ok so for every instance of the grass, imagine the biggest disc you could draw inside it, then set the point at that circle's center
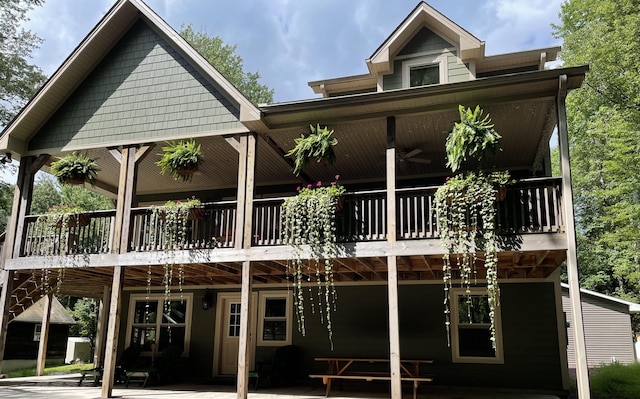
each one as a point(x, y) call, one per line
point(616, 381)
point(65, 369)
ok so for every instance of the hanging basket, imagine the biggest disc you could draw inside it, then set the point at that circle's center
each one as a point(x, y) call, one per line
point(501, 193)
point(75, 220)
point(187, 170)
point(73, 181)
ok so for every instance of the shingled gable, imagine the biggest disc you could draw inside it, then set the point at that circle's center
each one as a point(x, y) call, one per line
point(68, 90)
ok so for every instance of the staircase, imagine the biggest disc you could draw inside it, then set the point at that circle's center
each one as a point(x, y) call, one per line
point(30, 288)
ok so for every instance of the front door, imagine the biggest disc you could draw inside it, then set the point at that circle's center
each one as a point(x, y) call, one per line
point(228, 336)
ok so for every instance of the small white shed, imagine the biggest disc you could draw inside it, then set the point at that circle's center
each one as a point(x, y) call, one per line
point(607, 328)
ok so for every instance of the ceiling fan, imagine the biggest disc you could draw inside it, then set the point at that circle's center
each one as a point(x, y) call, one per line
point(411, 156)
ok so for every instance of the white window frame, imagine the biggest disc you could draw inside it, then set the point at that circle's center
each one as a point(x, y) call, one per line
point(37, 332)
point(440, 61)
point(261, 317)
point(188, 297)
point(458, 294)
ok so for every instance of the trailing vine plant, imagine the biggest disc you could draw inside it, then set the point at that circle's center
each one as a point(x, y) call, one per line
point(53, 231)
point(465, 209)
point(308, 219)
point(169, 227)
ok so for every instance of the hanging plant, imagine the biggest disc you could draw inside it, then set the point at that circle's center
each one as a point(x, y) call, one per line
point(180, 159)
point(465, 209)
point(473, 136)
point(466, 224)
point(172, 221)
point(317, 144)
point(75, 168)
point(308, 219)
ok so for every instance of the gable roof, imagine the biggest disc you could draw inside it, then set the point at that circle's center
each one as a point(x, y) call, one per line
point(633, 307)
point(90, 52)
point(424, 15)
point(34, 313)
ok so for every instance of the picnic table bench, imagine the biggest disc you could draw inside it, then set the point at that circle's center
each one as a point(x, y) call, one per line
point(340, 368)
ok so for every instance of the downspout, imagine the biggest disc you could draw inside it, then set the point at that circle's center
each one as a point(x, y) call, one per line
point(582, 371)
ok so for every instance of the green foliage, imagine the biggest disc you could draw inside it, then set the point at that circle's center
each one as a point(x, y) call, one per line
point(75, 167)
point(224, 58)
point(466, 223)
point(6, 203)
point(309, 219)
point(471, 137)
point(604, 130)
point(317, 144)
point(616, 381)
point(85, 313)
point(46, 193)
point(83, 198)
point(180, 159)
point(66, 369)
point(19, 80)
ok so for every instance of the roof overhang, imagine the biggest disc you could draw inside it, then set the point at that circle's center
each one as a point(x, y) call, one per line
point(513, 87)
point(633, 307)
point(89, 53)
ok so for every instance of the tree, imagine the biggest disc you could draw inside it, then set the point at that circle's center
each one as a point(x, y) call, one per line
point(604, 129)
point(19, 80)
point(224, 58)
point(46, 193)
point(85, 313)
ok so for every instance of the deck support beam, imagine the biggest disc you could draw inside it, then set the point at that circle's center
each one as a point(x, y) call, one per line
point(44, 334)
point(246, 186)
point(101, 330)
point(129, 157)
point(23, 192)
point(582, 371)
point(392, 264)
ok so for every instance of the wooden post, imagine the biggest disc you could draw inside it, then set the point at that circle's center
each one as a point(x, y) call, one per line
point(582, 371)
point(101, 330)
point(392, 267)
point(44, 334)
point(248, 147)
point(13, 240)
point(126, 191)
point(243, 345)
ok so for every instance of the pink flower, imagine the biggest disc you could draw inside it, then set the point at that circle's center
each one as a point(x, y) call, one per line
point(178, 201)
point(447, 179)
point(298, 188)
point(337, 177)
point(309, 185)
point(333, 183)
point(319, 183)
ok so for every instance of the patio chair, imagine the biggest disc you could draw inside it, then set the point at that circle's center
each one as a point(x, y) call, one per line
point(127, 359)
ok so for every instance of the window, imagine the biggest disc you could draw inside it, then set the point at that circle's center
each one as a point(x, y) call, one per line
point(37, 331)
point(423, 71)
point(424, 75)
point(154, 321)
point(275, 319)
point(471, 328)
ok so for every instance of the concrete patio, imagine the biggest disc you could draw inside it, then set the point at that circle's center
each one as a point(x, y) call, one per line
point(65, 387)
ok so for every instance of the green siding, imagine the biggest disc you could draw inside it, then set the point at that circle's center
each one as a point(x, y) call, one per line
point(456, 72)
point(532, 354)
point(142, 89)
point(425, 41)
point(394, 80)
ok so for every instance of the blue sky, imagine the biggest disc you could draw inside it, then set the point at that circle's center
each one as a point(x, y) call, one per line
point(291, 42)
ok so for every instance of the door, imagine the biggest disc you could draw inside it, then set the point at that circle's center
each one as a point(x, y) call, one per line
point(230, 337)
point(228, 333)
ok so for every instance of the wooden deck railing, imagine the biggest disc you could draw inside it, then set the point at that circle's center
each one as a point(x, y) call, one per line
point(530, 206)
point(91, 234)
point(209, 226)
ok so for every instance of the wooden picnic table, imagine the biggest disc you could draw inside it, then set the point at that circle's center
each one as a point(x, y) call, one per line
point(346, 368)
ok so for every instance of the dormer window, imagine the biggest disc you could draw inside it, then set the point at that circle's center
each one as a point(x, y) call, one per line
point(424, 75)
point(424, 71)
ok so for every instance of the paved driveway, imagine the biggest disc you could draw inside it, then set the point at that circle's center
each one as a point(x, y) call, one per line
point(65, 387)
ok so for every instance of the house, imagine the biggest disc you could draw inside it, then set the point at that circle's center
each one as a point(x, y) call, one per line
point(24, 334)
point(225, 293)
point(607, 328)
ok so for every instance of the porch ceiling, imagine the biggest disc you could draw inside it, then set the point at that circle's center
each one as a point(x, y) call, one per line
point(512, 265)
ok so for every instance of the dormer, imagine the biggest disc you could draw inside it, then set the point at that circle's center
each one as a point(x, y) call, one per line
point(427, 48)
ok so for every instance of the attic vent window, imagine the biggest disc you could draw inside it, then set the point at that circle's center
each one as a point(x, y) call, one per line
point(424, 75)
